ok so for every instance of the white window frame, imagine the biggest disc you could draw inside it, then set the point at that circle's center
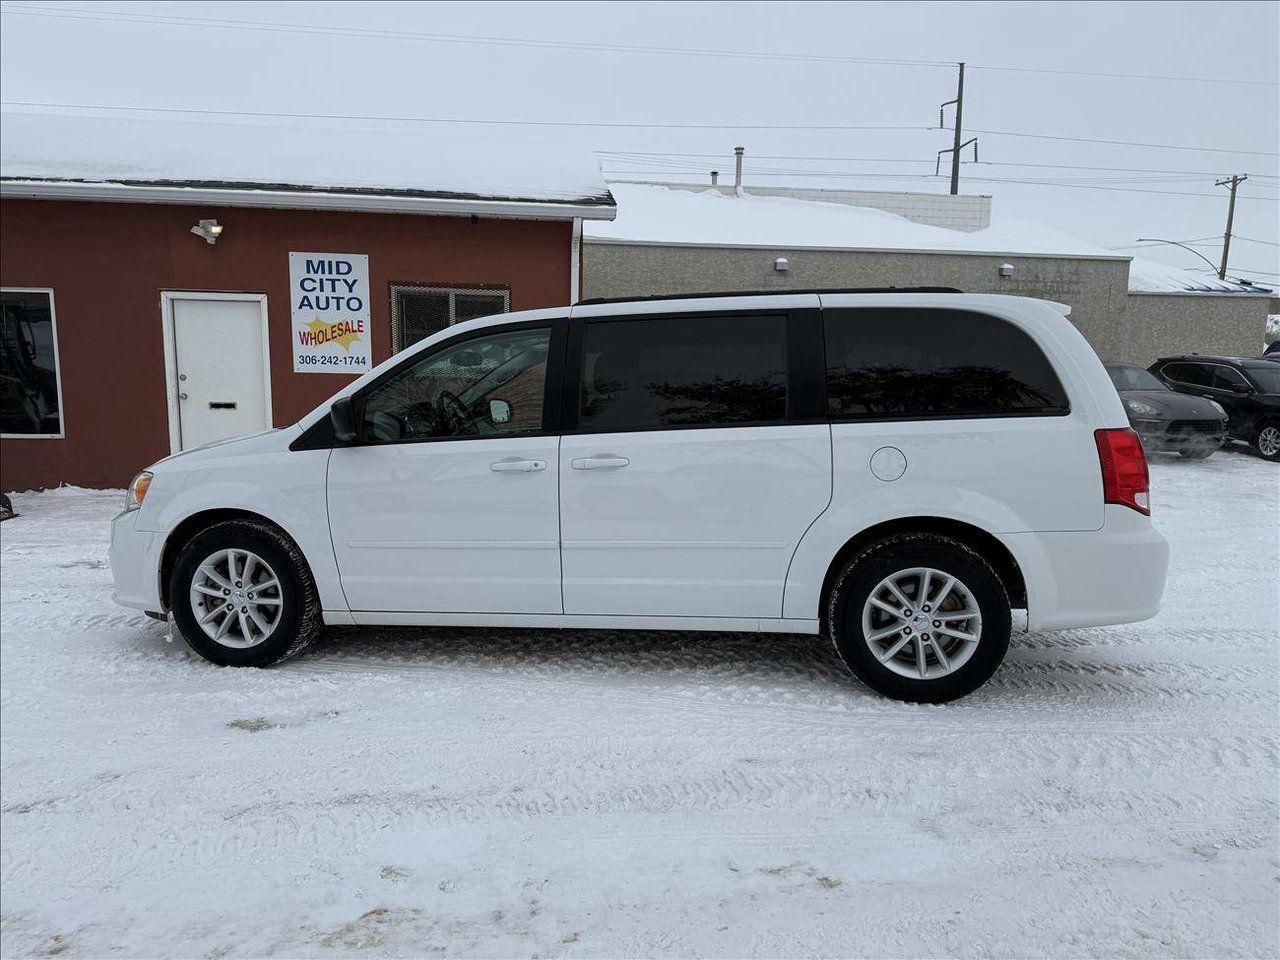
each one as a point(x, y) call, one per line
point(451, 292)
point(57, 370)
point(167, 300)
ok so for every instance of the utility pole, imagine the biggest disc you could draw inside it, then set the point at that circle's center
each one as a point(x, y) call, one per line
point(1233, 182)
point(956, 145)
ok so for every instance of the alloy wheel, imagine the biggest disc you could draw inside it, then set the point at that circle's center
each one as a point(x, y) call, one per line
point(1269, 441)
point(922, 623)
point(236, 598)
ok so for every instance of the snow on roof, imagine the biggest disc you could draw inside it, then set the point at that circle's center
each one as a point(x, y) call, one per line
point(1151, 276)
point(38, 145)
point(656, 214)
point(650, 213)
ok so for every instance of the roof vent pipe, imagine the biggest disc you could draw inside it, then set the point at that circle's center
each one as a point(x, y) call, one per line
point(715, 177)
point(737, 167)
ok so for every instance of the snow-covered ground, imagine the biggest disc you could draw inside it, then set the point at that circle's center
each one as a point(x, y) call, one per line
point(1111, 792)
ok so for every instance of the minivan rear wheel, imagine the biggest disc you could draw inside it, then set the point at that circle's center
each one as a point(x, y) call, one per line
point(920, 617)
point(242, 595)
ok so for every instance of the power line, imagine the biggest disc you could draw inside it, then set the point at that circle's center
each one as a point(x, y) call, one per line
point(71, 13)
point(621, 124)
point(283, 115)
point(1027, 182)
point(980, 163)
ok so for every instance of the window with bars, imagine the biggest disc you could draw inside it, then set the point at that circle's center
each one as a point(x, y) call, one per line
point(418, 312)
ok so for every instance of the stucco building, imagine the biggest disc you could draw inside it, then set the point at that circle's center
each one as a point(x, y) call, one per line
point(678, 238)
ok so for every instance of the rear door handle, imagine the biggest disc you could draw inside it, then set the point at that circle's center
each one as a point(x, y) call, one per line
point(518, 466)
point(599, 463)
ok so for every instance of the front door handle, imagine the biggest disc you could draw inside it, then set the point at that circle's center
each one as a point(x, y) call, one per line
point(599, 463)
point(518, 466)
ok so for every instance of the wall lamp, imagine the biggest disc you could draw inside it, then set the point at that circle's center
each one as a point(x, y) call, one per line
point(211, 230)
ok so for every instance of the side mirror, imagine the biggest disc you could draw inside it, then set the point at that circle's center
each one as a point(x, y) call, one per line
point(467, 358)
point(499, 411)
point(1241, 388)
point(343, 418)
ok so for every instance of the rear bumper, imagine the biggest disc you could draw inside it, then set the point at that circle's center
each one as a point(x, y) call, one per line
point(135, 564)
point(1093, 578)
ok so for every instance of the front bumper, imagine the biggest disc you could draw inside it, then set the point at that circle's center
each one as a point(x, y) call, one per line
point(1165, 436)
point(1096, 577)
point(135, 564)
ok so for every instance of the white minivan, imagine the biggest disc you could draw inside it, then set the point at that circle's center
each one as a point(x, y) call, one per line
point(898, 470)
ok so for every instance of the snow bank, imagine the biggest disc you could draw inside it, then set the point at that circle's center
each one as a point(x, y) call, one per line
point(132, 148)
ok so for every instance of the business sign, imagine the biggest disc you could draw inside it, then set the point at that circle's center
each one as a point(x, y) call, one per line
point(329, 295)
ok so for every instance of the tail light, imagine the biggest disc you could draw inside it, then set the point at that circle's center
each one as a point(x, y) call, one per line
point(1124, 469)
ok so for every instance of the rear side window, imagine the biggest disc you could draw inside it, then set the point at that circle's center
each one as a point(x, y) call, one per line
point(655, 374)
point(1193, 373)
point(906, 364)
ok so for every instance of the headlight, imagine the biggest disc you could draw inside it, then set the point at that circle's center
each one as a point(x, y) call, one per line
point(1219, 409)
point(1142, 409)
point(138, 488)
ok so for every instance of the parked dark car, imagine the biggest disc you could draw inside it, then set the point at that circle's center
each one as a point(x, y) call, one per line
point(1167, 421)
point(1248, 387)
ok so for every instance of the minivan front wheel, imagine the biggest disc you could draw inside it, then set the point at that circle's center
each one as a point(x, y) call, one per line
point(920, 617)
point(242, 595)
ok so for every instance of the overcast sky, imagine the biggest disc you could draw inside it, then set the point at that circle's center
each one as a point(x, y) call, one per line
point(1235, 125)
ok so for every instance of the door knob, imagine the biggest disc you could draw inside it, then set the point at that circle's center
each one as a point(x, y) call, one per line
point(599, 463)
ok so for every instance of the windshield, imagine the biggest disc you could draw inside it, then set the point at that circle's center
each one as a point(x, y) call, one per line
point(1129, 377)
point(1267, 378)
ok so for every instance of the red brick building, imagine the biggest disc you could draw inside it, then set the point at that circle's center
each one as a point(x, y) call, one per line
point(148, 299)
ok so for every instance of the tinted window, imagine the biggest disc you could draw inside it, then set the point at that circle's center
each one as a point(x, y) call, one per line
point(1267, 378)
point(1193, 373)
point(934, 363)
point(1127, 377)
point(28, 367)
point(691, 372)
point(1226, 378)
point(482, 387)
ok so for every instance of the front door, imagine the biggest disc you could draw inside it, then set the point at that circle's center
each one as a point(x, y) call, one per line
point(685, 486)
point(218, 373)
point(448, 503)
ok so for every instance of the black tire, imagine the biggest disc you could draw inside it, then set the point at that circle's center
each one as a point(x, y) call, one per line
point(1197, 453)
point(300, 619)
point(1258, 441)
point(860, 576)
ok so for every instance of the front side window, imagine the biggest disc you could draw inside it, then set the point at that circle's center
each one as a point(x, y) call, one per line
point(419, 312)
point(1266, 378)
point(487, 386)
point(1226, 378)
point(29, 405)
point(904, 364)
point(656, 374)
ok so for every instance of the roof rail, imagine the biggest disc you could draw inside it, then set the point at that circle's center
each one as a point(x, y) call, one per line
point(591, 301)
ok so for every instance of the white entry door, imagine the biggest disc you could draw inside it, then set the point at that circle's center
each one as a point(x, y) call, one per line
point(218, 367)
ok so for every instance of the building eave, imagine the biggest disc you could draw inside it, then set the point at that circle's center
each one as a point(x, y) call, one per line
point(296, 197)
